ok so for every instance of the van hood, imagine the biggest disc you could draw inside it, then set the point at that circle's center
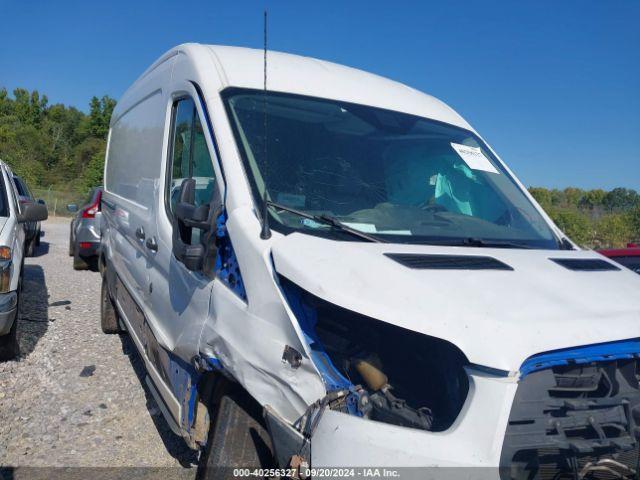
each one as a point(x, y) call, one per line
point(3, 222)
point(498, 318)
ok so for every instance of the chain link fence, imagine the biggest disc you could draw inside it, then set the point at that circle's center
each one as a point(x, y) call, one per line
point(57, 200)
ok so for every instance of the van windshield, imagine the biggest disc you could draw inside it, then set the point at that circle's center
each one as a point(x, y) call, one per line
point(396, 176)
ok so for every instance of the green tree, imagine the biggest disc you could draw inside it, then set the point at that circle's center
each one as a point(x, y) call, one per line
point(53, 146)
point(613, 231)
point(29, 107)
point(100, 116)
point(93, 173)
point(593, 199)
point(542, 196)
point(573, 196)
point(634, 221)
point(574, 224)
point(620, 199)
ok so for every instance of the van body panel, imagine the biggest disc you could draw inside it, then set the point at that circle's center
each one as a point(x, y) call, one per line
point(135, 156)
point(132, 174)
point(181, 306)
point(243, 67)
point(135, 321)
point(520, 310)
point(260, 369)
point(479, 431)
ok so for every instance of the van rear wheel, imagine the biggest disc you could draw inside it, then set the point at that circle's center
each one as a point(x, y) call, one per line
point(238, 438)
point(108, 315)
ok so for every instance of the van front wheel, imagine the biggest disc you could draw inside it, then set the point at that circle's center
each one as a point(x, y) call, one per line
point(238, 438)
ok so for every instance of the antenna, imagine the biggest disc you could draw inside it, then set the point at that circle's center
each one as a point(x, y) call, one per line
point(265, 234)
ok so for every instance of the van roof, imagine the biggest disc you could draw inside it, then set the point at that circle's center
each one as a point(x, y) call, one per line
point(243, 67)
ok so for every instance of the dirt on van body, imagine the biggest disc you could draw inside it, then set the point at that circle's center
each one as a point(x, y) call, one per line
point(77, 397)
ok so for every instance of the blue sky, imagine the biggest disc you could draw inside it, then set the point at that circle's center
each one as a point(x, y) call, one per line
point(553, 86)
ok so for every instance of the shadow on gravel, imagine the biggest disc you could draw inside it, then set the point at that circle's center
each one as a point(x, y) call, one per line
point(33, 320)
point(41, 250)
point(174, 444)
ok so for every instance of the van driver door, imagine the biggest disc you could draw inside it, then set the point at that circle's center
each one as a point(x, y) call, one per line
point(179, 299)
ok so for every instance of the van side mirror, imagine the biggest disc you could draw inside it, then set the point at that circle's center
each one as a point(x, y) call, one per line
point(186, 217)
point(33, 212)
point(42, 202)
point(72, 208)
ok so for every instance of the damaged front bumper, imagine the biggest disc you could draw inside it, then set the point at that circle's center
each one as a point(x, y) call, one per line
point(580, 420)
point(566, 414)
point(473, 441)
point(568, 420)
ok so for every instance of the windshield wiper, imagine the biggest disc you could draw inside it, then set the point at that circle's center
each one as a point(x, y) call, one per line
point(327, 220)
point(478, 242)
point(565, 244)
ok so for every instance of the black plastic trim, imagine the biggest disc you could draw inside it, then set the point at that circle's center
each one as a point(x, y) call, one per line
point(586, 264)
point(448, 262)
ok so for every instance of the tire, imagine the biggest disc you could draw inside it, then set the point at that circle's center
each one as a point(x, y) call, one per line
point(9, 346)
point(108, 315)
point(30, 248)
point(70, 244)
point(238, 438)
point(79, 263)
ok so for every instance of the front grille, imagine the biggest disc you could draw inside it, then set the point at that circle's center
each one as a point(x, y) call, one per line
point(576, 421)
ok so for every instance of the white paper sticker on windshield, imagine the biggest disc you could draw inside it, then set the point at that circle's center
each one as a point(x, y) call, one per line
point(362, 227)
point(474, 157)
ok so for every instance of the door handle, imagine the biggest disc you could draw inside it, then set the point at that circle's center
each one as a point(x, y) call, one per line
point(152, 245)
point(140, 233)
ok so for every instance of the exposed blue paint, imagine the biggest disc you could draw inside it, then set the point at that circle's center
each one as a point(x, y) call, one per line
point(580, 355)
point(183, 379)
point(214, 363)
point(227, 268)
point(307, 318)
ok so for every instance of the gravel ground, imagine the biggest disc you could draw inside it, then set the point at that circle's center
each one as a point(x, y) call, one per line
point(77, 397)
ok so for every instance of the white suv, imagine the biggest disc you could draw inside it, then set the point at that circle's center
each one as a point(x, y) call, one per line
point(13, 216)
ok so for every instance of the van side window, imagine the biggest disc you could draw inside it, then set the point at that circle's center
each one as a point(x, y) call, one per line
point(189, 154)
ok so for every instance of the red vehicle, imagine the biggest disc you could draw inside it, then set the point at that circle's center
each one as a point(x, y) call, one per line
point(629, 257)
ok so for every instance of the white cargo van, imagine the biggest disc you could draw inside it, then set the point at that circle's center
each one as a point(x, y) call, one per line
point(339, 271)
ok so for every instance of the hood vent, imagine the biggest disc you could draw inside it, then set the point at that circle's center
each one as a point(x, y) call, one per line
point(447, 262)
point(586, 264)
